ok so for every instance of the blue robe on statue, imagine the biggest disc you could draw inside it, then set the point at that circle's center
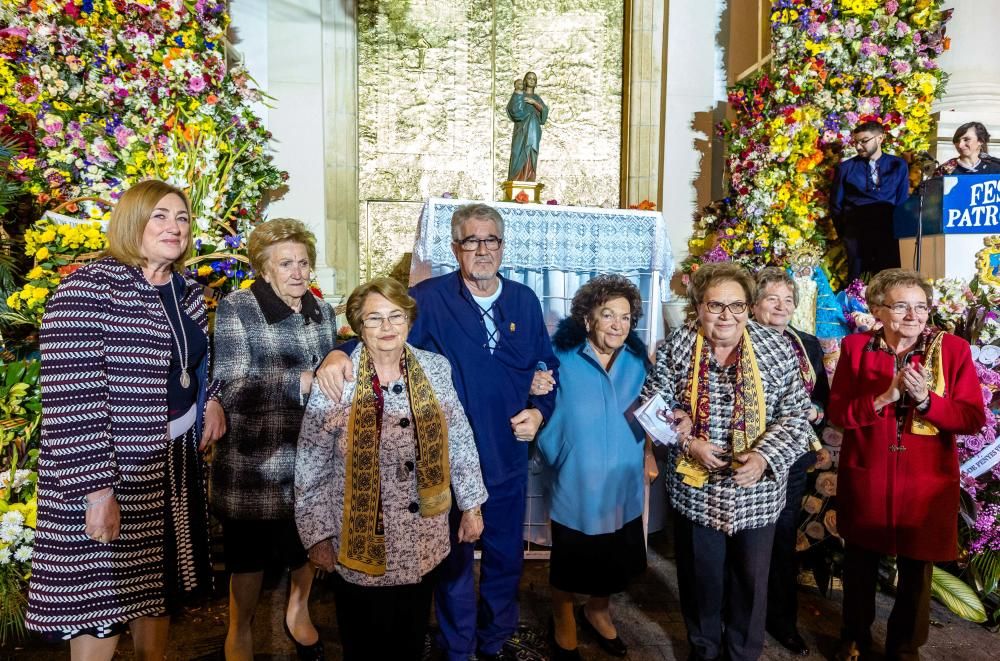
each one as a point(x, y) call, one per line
point(527, 135)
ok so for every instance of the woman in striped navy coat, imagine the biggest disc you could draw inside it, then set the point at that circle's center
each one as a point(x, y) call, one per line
point(122, 531)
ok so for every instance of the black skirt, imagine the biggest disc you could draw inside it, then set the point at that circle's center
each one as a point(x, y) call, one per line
point(596, 565)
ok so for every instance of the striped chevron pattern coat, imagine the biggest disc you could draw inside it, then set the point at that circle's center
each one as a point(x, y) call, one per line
point(105, 357)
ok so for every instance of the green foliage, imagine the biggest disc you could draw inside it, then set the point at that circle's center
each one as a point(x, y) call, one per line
point(985, 568)
point(957, 596)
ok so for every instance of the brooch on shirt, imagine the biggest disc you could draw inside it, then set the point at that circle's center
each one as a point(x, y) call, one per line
point(513, 326)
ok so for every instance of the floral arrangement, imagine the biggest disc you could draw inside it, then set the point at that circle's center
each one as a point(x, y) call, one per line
point(21, 409)
point(835, 64)
point(106, 93)
point(58, 250)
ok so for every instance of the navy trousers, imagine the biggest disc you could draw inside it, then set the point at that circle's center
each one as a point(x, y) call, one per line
point(465, 626)
point(723, 589)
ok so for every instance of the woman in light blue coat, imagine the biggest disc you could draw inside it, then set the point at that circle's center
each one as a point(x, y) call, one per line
point(596, 452)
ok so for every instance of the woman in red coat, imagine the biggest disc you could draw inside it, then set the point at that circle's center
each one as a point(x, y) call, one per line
point(901, 394)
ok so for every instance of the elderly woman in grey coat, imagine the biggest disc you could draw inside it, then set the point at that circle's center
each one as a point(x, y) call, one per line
point(269, 338)
point(374, 479)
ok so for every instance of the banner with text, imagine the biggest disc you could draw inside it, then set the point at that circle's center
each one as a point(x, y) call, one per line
point(971, 204)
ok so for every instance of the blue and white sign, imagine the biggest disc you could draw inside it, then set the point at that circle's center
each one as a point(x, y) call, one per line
point(971, 204)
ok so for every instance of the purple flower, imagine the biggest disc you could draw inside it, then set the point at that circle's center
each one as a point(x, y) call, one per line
point(717, 254)
point(986, 530)
point(901, 67)
point(122, 135)
point(973, 444)
point(891, 7)
point(196, 84)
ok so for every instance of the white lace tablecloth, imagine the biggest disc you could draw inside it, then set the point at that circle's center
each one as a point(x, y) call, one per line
point(544, 236)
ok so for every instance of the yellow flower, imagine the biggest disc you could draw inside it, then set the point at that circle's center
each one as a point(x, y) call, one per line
point(43, 253)
point(25, 163)
point(204, 270)
point(246, 284)
point(14, 301)
point(35, 273)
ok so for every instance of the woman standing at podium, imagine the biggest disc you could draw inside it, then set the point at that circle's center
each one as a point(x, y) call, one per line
point(971, 141)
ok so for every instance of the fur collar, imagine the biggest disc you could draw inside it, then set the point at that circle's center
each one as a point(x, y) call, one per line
point(570, 334)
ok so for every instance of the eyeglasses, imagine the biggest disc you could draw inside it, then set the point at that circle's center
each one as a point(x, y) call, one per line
point(716, 307)
point(863, 142)
point(472, 244)
point(903, 308)
point(376, 320)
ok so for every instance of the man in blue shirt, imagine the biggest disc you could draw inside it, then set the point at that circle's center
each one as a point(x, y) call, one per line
point(866, 190)
point(492, 331)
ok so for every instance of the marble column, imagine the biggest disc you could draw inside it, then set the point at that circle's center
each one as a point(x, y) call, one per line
point(286, 46)
point(643, 139)
point(694, 86)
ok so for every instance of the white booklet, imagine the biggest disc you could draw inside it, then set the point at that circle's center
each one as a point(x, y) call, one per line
point(656, 418)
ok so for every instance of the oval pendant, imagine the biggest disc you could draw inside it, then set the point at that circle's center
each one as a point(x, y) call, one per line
point(185, 379)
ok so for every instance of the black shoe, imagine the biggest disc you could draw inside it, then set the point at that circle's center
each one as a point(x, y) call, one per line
point(312, 652)
point(793, 643)
point(613, 646)
point(560, 653)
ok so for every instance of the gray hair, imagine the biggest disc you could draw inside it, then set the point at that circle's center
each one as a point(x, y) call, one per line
point(477, 211)
point(770, 275)
point(885, 281)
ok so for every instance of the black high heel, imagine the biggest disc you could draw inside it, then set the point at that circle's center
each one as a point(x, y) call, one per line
point(561, 653)
point(613, 646)
point(312, 652)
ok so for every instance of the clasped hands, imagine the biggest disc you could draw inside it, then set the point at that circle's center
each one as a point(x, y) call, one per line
point(911, 379)
point(752, 465)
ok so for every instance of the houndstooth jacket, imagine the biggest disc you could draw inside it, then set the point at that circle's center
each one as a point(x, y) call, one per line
point(262, 348)
point(721, 504)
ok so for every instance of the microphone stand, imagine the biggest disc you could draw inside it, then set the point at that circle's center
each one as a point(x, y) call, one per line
point(921, 188)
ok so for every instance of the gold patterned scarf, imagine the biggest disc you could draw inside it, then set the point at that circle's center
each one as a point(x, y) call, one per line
point(749, 404)
point(362, 538)
point(935, 363)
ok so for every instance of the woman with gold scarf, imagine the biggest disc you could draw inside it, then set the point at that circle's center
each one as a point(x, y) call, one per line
point(742, 421)
point(374, 477)
point(901, 393)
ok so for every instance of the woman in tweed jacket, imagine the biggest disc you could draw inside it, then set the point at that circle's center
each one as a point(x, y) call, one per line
point(741, 413)
point(268, 338)
point(122, 529)
point(374, 479)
